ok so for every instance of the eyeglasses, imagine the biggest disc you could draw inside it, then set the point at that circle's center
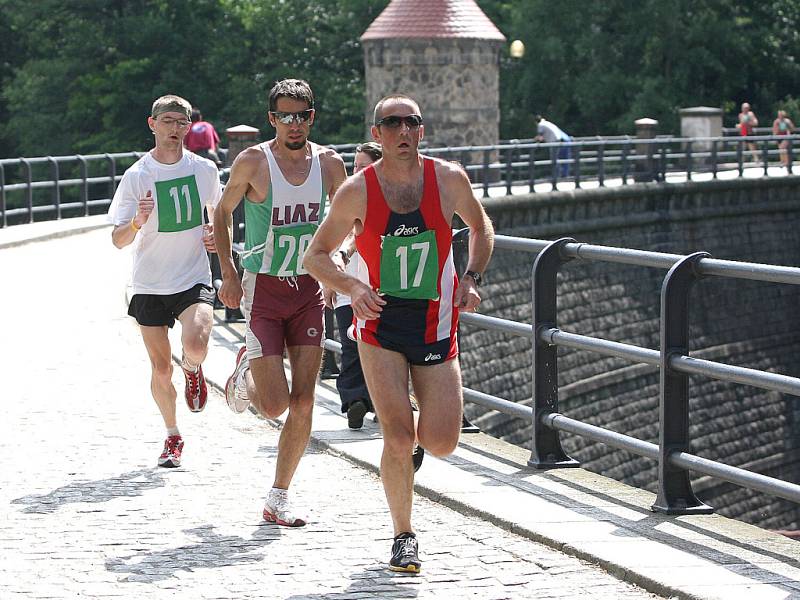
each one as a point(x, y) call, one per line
point(393, 121)
point(287, 118)
point(170, 122)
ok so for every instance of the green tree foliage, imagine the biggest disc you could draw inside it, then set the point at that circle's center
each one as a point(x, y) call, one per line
point(79, 76)
point(85, 72)
point(596, 66)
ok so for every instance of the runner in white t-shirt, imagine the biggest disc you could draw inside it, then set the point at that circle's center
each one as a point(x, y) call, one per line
point(158, 207)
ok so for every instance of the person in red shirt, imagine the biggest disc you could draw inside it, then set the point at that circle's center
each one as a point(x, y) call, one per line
point(747, 125)
point(202, 138)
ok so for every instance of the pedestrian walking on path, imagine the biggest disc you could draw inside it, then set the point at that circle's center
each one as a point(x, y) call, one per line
point(285, 183)
point(408, 295)
point(158, 207)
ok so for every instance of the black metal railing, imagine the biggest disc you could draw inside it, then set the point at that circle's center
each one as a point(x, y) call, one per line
point(675, 494)
point(55, 187)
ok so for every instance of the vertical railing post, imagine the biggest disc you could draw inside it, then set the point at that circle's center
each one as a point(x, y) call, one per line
point(546, 450)
point(532, 170)
point(689, 160)
point(675, 495)
point(85, 184)
point(29, 191)
point(714, 159)
point(56, 187)
point(3, 194)
point(576, 159)
point(765, 144)
point(486, 157)
point(553, 167)
point(601, 165)
point(626, 145)
point(509, 169)
point(112, 175)
point(740, 157)
point(663, 161)
point(789, 155)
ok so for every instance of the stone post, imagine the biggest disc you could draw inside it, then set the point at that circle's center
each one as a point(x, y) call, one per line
point(701, 122)
point(644, 170)
point(239, 138)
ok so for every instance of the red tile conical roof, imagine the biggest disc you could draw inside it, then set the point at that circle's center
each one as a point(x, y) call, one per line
point(432, 19)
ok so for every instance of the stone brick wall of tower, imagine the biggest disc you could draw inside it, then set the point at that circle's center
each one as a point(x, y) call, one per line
point(454, 80)
point(732, 321)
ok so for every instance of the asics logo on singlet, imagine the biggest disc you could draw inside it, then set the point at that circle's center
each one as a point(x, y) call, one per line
point(403, 230)
point(433, 357)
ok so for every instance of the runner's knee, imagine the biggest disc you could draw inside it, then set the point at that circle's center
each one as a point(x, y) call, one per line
point(398, 440)
point(439, 445)
point(162, 369)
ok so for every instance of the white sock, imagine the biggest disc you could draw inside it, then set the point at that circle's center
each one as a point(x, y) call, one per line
point(173, 431)
point(188, 365)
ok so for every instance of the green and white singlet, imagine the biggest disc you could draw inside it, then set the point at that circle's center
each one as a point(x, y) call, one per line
point(279, 230)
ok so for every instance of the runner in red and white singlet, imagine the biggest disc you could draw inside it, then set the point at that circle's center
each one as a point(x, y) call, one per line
point(408, 258)
point(407, 296)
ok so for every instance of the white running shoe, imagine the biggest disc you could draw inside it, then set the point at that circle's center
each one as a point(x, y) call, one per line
point(278, 509)
point(236, 386)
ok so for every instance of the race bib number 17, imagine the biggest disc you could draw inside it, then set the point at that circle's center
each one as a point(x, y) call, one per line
point(178, 203)
point(410, 266)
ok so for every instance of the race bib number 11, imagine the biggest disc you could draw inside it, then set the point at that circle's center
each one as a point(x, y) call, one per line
point(178, 203)
point(410, 266)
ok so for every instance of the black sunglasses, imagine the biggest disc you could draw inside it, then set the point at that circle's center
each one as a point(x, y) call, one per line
point(393, 121)
point(288, 117)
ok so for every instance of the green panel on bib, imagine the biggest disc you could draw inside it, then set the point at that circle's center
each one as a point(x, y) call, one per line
point(178, 204)
point(410, 266)
point(290, 243)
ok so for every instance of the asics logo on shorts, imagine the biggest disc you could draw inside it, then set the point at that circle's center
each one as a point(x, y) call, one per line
point(403, 230)
point(433, 357)
point(312, 332)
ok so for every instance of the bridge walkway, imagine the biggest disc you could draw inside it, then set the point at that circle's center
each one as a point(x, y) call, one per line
point(86, 514)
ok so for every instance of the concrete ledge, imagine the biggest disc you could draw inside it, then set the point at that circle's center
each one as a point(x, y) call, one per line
point(18, 235)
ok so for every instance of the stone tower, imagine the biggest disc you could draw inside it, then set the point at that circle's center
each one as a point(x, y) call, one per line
point(445, 54)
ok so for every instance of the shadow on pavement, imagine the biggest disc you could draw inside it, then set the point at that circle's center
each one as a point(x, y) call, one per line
point(130, 484)
point(212, 552)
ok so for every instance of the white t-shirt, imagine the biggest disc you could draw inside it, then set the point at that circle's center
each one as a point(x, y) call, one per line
point(551, 132)
point(350, 269)
point(168, 252)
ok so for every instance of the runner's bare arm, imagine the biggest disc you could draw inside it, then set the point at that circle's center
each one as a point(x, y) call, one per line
point(243, 172)
point(481, 236)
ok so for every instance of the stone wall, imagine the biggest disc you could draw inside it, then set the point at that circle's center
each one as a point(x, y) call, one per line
point(732, 321)
point(455, 81)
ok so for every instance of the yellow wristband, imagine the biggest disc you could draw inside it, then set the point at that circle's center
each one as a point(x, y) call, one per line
point(133, 225)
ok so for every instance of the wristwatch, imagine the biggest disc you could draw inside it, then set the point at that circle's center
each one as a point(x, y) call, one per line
point(476, 277)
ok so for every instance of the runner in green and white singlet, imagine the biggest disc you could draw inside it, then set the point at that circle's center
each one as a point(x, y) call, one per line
point(285, 183)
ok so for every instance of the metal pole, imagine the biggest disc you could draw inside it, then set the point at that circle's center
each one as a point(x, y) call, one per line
point(714, 159)
point(29, 191)
point(532, 170)
point(689, 160)
point(577, 163)
point(3, 194)
point(56, 188)
point(601, 165)
point(765, 144)
point(85, 185)
point(740, 157)
point(486, 157)
point(509, 169)
point(546, 450)
point(675, 495)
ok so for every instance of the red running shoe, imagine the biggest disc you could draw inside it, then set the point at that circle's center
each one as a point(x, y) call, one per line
point(171, 456)
point(196, 391)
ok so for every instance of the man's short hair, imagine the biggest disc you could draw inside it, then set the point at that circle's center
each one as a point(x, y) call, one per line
point(196, 115)
point(371, 149)
point(296, 89)
point(171, 103)
point(376, 115)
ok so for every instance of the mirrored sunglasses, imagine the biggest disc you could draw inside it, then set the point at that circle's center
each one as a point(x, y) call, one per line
point(287, 118)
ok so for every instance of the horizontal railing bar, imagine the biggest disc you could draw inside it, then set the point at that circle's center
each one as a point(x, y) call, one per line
point(582, 342)
point(498, 404)
point(559, 422)
point(497, 324)
point(723, 372)
point(62, 183)
point(752, 271)
point(742, 477)
point(52, 208)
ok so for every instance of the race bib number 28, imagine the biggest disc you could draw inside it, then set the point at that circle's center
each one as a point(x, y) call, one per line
point(410, 266)
point(178, 203)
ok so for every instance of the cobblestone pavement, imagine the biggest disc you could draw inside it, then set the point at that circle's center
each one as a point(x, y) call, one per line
point(86, 514)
